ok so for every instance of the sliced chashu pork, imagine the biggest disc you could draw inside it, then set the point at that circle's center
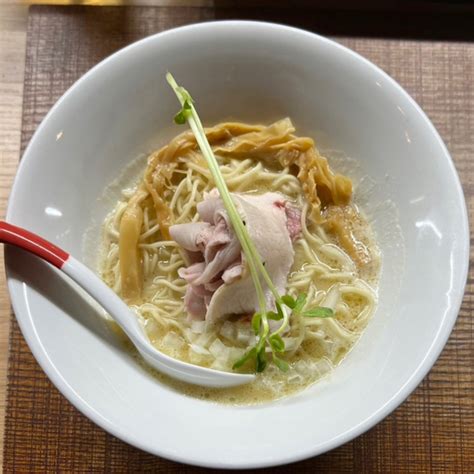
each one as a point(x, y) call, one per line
point(219, 282)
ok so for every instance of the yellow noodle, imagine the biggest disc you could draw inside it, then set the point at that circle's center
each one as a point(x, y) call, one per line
point(322, 270)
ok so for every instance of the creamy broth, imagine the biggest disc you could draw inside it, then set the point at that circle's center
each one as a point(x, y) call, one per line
point(323, 269)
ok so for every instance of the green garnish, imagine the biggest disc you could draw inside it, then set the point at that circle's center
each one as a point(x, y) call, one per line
point(289, 301)
point(256, 320)
point(280, 363)
point(184, 113)
point(250, 354)
point(276, 343)
point(298, 305)
point(320, 312)
point(260, 325)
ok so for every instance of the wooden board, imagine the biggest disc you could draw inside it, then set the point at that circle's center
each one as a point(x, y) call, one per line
point(13, 22)
point(433, 431)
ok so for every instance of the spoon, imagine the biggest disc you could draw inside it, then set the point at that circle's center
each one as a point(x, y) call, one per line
point(118, 310)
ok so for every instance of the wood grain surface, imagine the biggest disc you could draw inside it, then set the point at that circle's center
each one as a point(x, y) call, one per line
point(433, 431)
point(13, 20)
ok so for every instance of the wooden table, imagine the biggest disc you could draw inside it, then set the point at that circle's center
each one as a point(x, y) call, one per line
point(433, 430)
point(13, 21)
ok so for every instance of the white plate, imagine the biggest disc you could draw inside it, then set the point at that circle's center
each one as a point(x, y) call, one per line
point(250, 71)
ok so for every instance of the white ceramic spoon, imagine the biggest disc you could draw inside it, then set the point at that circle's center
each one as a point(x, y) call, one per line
point(118, 310)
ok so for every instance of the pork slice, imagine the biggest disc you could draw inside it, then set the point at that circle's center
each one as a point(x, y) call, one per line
point(208, 207)
point(220, 236)
point(223, 258)
point(195, 297)
point(191, 273)
point(233, 272)
point(267, 226)
point(219, 283)
point(195, 303)
point(213, 285)
point(192, 236)
point(293, 221)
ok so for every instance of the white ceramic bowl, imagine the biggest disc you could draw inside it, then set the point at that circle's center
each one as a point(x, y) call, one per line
point(250, 71)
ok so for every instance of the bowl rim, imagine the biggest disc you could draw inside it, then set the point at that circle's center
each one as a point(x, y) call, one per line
point(398, 398)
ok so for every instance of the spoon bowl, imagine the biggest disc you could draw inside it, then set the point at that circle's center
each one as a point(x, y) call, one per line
point(118, 310)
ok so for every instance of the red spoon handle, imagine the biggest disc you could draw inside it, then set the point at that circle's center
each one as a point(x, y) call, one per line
point(11, 234)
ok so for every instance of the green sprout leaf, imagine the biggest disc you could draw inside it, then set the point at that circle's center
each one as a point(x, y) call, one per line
point(185, 112)
point(280, 363)
point(300, 302)
point(289, 301)
point(274, 316)
point(320, 312)
point(251, 354)
point(261, 362)
point(256, 319)
point(276, 343)
point(280, 310)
